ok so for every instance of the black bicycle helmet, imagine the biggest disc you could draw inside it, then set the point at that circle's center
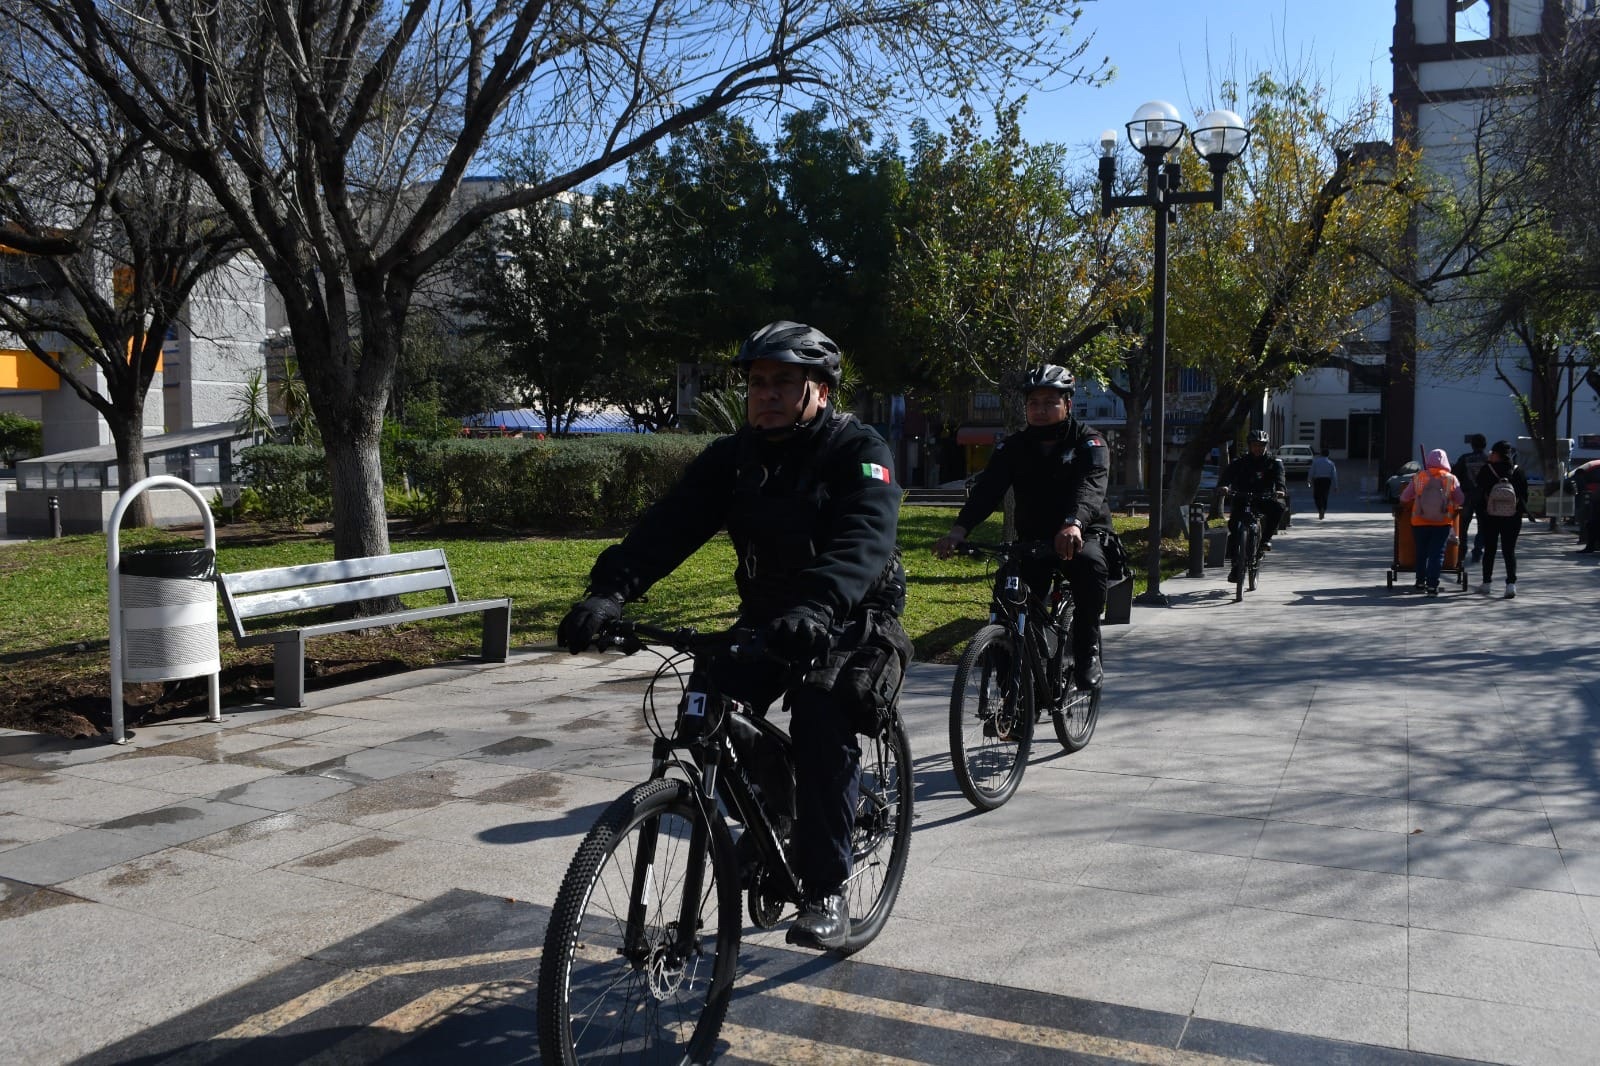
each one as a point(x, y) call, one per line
point(1257, 436)
point(1049, 376)
point(792, 342)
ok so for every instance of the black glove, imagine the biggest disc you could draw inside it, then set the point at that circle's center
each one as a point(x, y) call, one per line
point(800, 633)
point(585, 621)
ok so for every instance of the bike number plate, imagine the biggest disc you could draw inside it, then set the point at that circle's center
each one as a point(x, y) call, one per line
point(694, 705)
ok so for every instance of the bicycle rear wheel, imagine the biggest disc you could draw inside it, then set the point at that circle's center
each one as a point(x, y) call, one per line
point(880, 845)
point(640, 952)
point(991, 722)
point(1076, 718)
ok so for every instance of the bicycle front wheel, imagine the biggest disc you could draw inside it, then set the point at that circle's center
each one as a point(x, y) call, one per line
point(1244, 561)
point(880, 845)
point(640, 952)
point(991, 722)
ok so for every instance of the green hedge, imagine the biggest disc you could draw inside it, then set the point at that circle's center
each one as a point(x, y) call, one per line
point(291, 481)
point(575, 485)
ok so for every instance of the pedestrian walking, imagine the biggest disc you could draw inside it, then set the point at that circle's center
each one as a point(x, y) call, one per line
point(1586, 479)
point(1436, 498)
point(1324, 479)
point(1503, 490)
point(1466, 467)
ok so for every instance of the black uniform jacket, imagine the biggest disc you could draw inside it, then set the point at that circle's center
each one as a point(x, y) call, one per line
point(1491, 472)
point(1252, 475)
point(812, 518)
point(1061, 476)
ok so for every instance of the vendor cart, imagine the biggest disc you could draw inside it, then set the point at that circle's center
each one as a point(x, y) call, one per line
point(1405, 550)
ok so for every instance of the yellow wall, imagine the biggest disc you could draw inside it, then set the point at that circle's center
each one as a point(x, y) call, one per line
point(19, 369)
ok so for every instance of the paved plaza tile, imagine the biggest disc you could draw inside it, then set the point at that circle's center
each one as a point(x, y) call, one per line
point(1274, 849)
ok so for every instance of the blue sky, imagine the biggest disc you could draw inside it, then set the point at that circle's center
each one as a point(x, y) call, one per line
point(1175, 49)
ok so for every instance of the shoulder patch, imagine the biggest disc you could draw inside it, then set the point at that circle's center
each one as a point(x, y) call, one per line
point(876, 472)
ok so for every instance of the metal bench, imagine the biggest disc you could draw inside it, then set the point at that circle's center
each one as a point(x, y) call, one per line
point(257, 595)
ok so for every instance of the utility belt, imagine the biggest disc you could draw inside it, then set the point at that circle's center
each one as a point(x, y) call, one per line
point(866, 668)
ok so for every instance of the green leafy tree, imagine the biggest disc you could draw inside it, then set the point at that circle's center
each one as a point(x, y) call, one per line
point(1004, 257)
point(843, 198)
point(1516, 231)
point(20, 437)
point(1309, 238)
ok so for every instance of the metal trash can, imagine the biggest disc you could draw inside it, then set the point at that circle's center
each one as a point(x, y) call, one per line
point(1217, 546)
point(163, 608)
point(169, 614)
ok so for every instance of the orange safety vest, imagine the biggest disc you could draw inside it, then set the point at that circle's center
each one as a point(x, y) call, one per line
point(1420, 482)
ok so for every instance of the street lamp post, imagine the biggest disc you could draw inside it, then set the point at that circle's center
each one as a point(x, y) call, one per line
point(1155, 130)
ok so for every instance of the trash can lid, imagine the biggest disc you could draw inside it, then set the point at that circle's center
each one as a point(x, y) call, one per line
point(198, 564)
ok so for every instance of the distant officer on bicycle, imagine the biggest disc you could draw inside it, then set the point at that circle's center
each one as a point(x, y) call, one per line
point(1058, 467)
point(1259, 478)
point(809, 500)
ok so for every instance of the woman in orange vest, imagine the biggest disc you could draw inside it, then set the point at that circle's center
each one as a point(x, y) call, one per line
point(1436, 498)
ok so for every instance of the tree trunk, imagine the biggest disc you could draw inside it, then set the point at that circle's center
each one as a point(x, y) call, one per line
point(127, 432)
point(355, 476)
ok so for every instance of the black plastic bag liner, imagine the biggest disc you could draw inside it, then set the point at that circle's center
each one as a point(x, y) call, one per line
point(196, 564)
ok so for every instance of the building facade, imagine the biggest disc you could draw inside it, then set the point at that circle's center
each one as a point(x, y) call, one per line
point(1407, 384)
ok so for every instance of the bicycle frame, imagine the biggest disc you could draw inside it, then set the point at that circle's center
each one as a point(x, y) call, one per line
point(701, 748)
point(1012, 600)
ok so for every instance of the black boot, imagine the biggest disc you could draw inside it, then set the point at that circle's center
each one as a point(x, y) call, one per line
point(1086, 670)
point(823, 924)
point(1087, 673)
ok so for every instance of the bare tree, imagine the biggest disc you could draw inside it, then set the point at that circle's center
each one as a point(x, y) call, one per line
point(336, 133)
point(109, 240)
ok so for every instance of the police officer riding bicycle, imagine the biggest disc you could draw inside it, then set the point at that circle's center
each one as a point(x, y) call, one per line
point(1058, 467)
point(1256, 478)
point(809, 500)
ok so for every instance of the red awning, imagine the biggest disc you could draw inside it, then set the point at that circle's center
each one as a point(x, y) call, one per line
point(980, 434)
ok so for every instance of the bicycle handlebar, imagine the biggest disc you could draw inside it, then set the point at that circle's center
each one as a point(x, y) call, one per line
point(1024, 550)
point(742, 642)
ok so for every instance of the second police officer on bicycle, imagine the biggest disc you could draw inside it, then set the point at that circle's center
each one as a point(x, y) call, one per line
point(1258, 477)
point(1058, 467)
point(809, 500)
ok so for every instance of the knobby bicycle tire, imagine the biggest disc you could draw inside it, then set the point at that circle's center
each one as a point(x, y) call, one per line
point(880, 845)
point(991, 719)
point(595, 1003)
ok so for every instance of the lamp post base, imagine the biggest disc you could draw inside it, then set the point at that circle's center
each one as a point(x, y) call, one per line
point(1152, 599)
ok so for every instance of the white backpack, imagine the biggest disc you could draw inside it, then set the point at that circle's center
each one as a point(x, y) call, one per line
point(1501, 502)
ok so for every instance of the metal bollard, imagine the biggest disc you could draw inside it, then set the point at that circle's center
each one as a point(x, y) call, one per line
point(1197, 538)
point(53, 505)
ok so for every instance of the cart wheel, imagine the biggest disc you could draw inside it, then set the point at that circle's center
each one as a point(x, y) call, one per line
point(1391, 579)
point(1461, 579)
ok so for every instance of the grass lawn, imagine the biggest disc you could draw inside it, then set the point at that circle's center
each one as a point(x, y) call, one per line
point(54, 624)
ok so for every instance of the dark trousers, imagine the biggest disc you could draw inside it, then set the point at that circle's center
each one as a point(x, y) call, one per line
point(1087, 576)
point(1502, 532)
point(1473, 509)
point(827, 771)
point(1320, 487)
point(1270, 513)
point(1430, 542)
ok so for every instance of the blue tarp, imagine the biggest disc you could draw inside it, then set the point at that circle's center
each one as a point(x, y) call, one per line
point(531, 420)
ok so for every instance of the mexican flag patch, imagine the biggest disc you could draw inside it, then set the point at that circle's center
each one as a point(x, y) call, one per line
point(876, 472)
